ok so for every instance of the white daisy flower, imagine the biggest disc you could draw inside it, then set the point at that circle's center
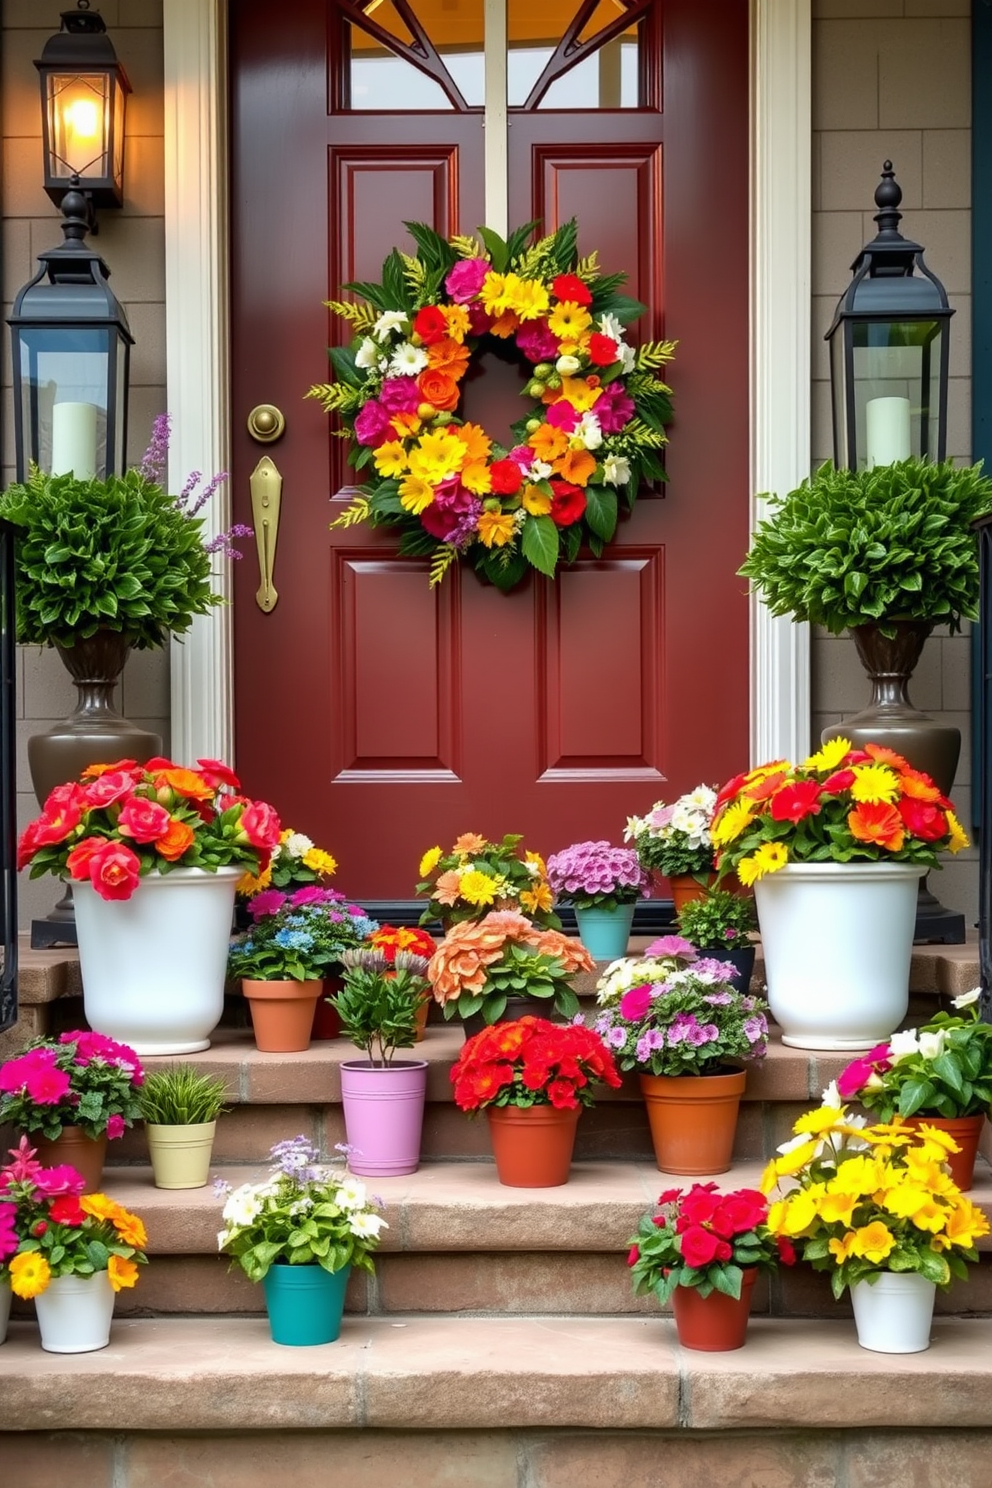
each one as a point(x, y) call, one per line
point(367, 355)
point(616, 470)
point(388, 322)
point(407, 360)
point(590, 431)
point(351, 1194)
point(367, 1226)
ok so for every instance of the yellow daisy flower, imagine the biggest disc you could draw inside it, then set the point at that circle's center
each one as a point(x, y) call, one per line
point(568, 320)
point(438, 454)
point(530, 299)
point(959, 837)
point(535, 501)
point(250, 883)
point(477, 888)
point(477, 478)
point(493, 293)
point(458, 321)
point(875, 784)
point(730, 823)
point(390, 458)
point(429, 861)
point(319, 861)
point(829, 756)
point(769, 858)
point(496, 529)
point(415, 494)
point(965, 1224)
point(30, 1274)
point(815, 1123)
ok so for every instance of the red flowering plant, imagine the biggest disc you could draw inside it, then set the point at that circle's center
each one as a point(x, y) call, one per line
point(120, 822)
point(704, 1239)
point(60, 1230)
point(532, 1062)
point(78, 1079)
point(841, 805)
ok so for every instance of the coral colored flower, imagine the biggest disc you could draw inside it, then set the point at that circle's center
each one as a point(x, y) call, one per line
point(260, 825)
point(142, 819)
point(548, 443)
point(840, 780)
point(568, 503)
point(571, 287)
point(185, 783)
point(439, 389)
point(918, 785)
point(448, 888)
point(877, 823)
point(177, 839)
point(78, 860)
point(30, 1274)
point(93, 772)
point(110, 787)
point(114, 871)
point(885, 756)
point(217, 774)
point(797, 801)
point(923, 819)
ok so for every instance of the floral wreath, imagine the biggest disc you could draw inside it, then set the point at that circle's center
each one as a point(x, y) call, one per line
point(594, 431)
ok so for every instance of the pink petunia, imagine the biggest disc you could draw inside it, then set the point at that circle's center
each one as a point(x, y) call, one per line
point(115, 1127)
point(60, 1180)
point(269, 902)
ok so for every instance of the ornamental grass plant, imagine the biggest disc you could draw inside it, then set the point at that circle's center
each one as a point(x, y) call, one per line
point(181, 1095)
point(478, 966)
point(857, 1200)
point(304, 1213)
point(60, 1230)
point(841, 805)
point(477, 876)
point(675, 840)
point(702, 1238)
point(78, 1079)
point(120, 822)
point(531, 1062)
point(596, 875)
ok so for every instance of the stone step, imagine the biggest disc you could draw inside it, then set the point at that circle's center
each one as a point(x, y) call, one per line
point(458, 1242)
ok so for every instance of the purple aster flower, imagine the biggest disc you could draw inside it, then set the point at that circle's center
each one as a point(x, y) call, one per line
point(615, 1037)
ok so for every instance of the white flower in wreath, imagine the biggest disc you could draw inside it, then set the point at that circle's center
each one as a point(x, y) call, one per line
point(407, 360)
point(388, 322)
point(610, 326)
point(367, 355)
point(296, 844)
point(567, 365)
point(616, 472)
point(590, 431)
point(628, 359)
point(539, 470)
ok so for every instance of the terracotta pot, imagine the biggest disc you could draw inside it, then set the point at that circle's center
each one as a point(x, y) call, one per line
point(693, 1119)
point(967, 1132)
point(281, 1014)
point(533, 1145)
point(686, 889)
point(85, 1154)
point(716, 1323)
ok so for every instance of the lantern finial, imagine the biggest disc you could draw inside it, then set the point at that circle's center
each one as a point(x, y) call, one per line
point(888, 195)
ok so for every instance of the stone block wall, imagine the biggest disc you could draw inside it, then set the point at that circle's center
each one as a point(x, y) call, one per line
point(133, 243)
point(892, 80)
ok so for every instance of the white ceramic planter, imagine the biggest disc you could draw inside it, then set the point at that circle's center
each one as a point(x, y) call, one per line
point(153, 966)
point(894, 1314)
point(74, 1313)
point(837, 940)
point(5, 1300)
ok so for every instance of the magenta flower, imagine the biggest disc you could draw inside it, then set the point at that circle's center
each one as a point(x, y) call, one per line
point(61, 1180)
point(614, 408)
point(373, 424)
point(563, 416)
point(47, 1086)
point(115, 1127)
point(672, 945)
point(465, 279)
point(536, 341)
point(400, 395)
point(269, 902)
point(8, 1232)
point(635, 1003)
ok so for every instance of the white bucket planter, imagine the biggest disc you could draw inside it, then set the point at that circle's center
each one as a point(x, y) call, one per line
point(837, 940)
point(153, 966)
point(74, 1313)
point(893, 1315)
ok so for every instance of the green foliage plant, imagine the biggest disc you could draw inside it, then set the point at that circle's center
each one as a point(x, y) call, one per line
point(181, 1096)
point(379, 999)
point(721, 919)
point(859, 547)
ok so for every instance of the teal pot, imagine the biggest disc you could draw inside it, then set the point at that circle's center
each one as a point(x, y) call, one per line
point(605, 932)
point(304, 1303)
point(383, 1115)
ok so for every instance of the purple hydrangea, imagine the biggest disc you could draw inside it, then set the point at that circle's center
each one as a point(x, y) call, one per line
point(591, 872)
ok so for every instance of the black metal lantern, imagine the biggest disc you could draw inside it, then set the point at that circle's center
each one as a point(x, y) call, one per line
point(71, 350)
point(983, 731)
point(8, 783)
point(83, 99)
point(889, 349)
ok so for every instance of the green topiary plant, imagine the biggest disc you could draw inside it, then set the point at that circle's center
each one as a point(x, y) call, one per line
point(856, 547)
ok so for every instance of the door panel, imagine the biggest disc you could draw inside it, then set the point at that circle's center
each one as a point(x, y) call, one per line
point(382, 716)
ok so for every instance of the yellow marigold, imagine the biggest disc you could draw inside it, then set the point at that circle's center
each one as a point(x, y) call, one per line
point(496, 529)
point(130, 1228)
point(768, 858)
point(829, 756)
point(437, 455)
point(100, 1206)
point(416, 494)
point(537, 900)
point(122, 1272)
point(250, 883)
point(429, 861)
point(469, 843)
point(477, 888)
point(857, 1176)
point(568, 320)
point(476, 441)
point(477, 478)
point(529, 298)
point(504, 325)
point(875, 784)
point(959, 837)
point(319, 861)
point(390, 458)
point(493, 293)
point(873, 1242)
point(731, 822)
point(535, 501)
point(458, 321)
point(30, 1274)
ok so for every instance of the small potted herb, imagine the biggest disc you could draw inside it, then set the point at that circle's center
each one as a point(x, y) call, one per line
point(383, 1097)
point(181, 1106)
point(718, 926)
point(603, 883)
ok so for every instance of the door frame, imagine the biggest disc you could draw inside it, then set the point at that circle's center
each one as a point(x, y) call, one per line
point(197, 310)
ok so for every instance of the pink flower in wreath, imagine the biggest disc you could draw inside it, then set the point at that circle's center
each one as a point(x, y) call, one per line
point(465, 279)
point(373, 424)
point(536, 341)
point(400, 395)
point(114, 871)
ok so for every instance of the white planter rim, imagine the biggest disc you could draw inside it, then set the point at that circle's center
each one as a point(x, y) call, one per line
point(832, 870)
point(175, 875)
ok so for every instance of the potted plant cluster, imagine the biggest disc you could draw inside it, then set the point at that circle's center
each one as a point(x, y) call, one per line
point(876, 1207)
point(153, 852)
point(75, 1251)
point(603, 883)
point(687, 1030)
point(299, 1233)
point(70, 1095)
point(180, 1106)
point(835, 848)
point(503, 967)
point(719, 924)
point(939, 1075)
point(702, 1250)
point(532, 1078)
point(476, 876)
point(383, 1097)
point(296, 940)
point(674, 841)
point(391, 940)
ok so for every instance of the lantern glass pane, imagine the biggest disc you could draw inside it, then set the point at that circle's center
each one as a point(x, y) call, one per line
point(117, 136)
point(64, 393)
point(78, 124)
point(896, 389)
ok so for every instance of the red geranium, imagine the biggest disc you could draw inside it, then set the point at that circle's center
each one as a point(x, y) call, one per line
point(705, 1239)
point(570, 287)
point(506, 477)
point(430, 325)
point(568, 503)
point(531, 1062)
point(602, 350)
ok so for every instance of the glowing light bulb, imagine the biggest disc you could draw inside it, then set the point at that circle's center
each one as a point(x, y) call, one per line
point(82, 119)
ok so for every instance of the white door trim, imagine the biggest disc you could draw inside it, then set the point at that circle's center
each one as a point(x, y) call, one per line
point(197, 339)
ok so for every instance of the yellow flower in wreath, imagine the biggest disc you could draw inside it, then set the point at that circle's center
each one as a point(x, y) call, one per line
point(416, 494)
point(496, 529)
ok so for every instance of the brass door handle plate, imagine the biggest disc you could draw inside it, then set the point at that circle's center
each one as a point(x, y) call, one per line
point(266, 423)
point(266, 499)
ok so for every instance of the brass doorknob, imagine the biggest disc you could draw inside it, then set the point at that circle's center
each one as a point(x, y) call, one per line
point(266, 423)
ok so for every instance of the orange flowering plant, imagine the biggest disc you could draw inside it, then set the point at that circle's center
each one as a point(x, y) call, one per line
point(120, 822)
point(592, 431)
point(841, 805)
point(61, 1230)
point(532, 1062)
point(476, 876)
point(479, 965)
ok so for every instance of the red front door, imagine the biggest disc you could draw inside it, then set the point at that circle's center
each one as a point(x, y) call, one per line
point(382, 716)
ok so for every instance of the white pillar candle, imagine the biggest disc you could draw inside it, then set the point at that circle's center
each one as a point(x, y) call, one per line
point(74, 440)
point(887, 437)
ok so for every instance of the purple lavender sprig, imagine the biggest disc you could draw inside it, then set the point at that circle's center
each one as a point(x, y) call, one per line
point(190, 501)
